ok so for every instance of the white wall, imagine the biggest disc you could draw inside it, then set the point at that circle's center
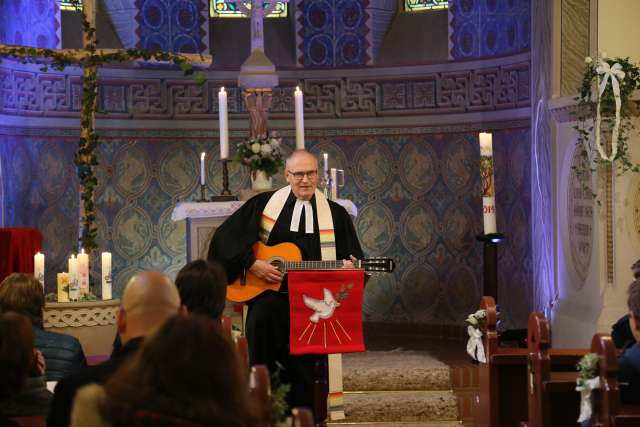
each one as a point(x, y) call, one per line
point(618, 29)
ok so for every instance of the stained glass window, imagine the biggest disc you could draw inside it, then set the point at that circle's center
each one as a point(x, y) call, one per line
point(68, 5)
point(425, 5)
point(221, 9)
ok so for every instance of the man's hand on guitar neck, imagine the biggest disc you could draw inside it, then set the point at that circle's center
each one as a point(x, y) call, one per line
point(349, 263)
point(265, 271)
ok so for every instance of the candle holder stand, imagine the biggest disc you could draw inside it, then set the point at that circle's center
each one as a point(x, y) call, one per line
point(490, 261)
point(225, 194)
point(202, 193)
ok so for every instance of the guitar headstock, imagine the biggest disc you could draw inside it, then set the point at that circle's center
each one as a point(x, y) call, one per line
point(378, 264)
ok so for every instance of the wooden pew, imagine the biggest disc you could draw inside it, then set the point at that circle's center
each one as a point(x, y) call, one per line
point(502, 380)
point(33, 421)
point(260, 393)
point(608, 410)
point(551, 378)
point(301, 417)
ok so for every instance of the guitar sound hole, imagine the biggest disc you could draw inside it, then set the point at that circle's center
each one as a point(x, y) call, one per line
point(277, 264)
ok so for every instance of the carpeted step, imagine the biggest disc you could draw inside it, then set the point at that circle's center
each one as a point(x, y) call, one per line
point(394, 370)
point(392, 424)
point(401, 406)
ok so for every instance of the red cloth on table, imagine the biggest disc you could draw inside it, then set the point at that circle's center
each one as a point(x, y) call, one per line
point(17, 248)
point(326, 311)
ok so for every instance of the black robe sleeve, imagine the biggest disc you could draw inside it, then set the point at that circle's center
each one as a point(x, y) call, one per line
point(347, 243)
point(231, 243)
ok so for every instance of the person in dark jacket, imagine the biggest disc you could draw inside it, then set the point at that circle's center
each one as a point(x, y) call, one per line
point(63, 354)
point(629, 362)
point(23, 390)
point(148, 300)
point(203, 288)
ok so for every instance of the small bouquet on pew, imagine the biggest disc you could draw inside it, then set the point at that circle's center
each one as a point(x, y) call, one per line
point(586, 383)
point(475, 347)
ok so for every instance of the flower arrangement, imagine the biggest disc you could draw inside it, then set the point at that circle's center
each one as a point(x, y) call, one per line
point(588, 367)
point(477, 319)
point(604, 104)
point(587, 382)
point(261, 154)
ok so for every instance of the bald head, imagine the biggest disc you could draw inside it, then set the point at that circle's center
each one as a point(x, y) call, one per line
point(301, 172)
point(149, 299)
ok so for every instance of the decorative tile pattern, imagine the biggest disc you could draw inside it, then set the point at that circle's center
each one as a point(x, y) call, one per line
point(30, 23)
point(483, 28)
point(333, 33)
point(175, 26)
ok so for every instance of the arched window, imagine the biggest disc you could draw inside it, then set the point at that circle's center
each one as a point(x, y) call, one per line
point(222, 9)
point(425, 5)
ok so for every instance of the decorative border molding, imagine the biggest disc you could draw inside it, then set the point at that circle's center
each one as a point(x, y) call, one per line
point(483, 86)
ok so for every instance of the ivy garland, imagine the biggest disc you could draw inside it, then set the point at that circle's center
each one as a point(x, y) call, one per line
point(90, 58)
point(591, 156)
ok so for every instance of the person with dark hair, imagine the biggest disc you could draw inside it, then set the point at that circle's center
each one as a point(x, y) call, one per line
point(23, 294)
point(202, 286)
point(148, 300)
point(202, 384)
point(629, 362)
point(23, 390)
point(621, 330)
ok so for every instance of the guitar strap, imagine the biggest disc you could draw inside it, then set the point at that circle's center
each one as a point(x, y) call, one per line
point(270, 214)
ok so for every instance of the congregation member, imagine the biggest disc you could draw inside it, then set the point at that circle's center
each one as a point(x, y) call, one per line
point(63, 354)
point(148, 300)
point(629, 362)
point(621, 332)
point(291, 214)
point(201, 384)
point(23, 389)
point(203, 286)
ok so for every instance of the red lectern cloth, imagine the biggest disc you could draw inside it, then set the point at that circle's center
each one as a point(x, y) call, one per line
point(326, 311)
point(17, 248)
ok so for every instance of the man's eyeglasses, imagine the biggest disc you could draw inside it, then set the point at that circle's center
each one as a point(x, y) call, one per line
point(299, 176)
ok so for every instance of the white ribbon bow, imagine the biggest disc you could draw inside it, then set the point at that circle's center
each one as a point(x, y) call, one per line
point(297, 213)
point(475, 347)
point(586, 406)
point(615, 74)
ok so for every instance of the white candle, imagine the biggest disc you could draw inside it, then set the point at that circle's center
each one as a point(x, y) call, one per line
point(202, 168)
point(63, 287)
point(106, 275)
point(325, 168)
point(83, 273)
point(223, 118)
point(73, 278)
point(488, 189)
point(299, 104)
point(38, 268)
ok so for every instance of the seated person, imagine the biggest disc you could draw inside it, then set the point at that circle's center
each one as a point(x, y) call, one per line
point(148, 300)
point(629, 362)
point(23, 389)
point(201, 384)
point(203, 288)
point(23, 293)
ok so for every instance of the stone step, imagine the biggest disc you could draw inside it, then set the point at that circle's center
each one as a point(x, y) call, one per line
point(401, 407)
point(394, 370)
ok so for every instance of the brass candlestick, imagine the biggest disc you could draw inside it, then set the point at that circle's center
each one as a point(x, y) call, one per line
point(225, 194)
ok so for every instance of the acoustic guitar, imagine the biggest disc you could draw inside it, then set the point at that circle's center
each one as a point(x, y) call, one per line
point(285, 257)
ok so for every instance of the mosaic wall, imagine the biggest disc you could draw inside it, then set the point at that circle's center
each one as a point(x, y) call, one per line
point(418, 199)
point(484, 28)
point(30, 23)
point(175, 26)
point(333, 33)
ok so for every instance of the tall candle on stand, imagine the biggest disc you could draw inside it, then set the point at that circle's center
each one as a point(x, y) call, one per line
point(83, 273)
point(106, 275)
point(202, 168)
point(223, 118)
point(73, 278)
point(299, 104)
point(488, 188)
point(325, 168)
point(38, 268)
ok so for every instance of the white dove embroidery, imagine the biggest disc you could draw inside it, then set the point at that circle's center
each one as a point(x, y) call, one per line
point(323, 309)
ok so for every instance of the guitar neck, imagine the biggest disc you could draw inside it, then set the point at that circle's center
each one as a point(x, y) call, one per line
point(312, 265)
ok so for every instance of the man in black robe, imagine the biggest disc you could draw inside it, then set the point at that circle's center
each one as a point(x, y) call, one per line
point(268, 316)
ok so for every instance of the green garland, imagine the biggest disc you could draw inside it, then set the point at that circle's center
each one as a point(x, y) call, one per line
point(90, 58)
point(585, 114)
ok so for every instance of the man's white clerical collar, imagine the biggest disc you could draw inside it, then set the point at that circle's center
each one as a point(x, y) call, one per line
point(297, 213)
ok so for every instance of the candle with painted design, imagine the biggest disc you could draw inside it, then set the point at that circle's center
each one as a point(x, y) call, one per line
point(299, 104)
point(83, 273)
point(202, 168)
point(488, 188)
point(106, 275)
point(72, 281)
point(223, 119)
point(63, 287)
point(38, 268)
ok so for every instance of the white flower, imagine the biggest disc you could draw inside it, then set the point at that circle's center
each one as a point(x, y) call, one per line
point(255, 147)
point(480, 314)
point(266, 149)
point(588, 60)
point(472, 320)
point(275, 143)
